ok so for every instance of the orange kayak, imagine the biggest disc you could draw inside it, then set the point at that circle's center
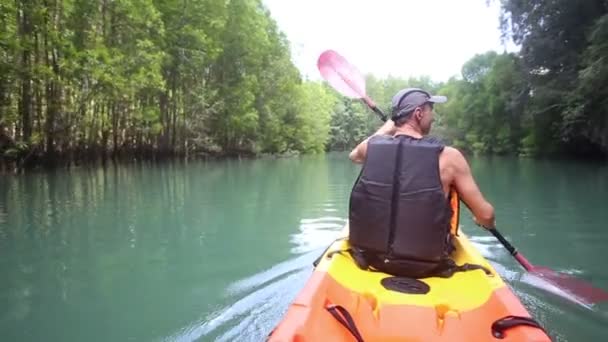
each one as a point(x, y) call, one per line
point(341, 302)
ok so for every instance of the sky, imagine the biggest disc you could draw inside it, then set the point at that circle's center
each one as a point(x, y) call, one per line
point(401, 38)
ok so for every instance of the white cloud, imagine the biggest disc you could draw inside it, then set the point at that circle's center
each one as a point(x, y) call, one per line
point(397, 37)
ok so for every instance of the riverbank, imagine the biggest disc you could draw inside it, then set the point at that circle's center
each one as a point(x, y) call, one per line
point(92, 158)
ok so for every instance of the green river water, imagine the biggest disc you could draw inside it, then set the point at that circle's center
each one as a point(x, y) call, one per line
point(216, 250)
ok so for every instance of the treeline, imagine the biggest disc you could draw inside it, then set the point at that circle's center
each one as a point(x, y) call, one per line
point(551, 98)
point(105, 78)
point(98, 78)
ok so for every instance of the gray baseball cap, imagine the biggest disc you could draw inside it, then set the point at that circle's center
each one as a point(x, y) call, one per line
point(406, 100)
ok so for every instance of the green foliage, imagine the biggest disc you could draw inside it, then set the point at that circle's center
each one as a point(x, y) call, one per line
point(352, 121)
point(485, 109)
point(549, 98)
point(169, 76)
point(564, 49)
point(216, 76)
point(528, 145)
point(315, 104)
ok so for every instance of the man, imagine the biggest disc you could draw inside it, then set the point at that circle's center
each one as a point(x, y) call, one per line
point(400, 212)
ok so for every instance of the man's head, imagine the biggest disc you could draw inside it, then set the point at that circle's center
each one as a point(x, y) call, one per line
point(415, 105)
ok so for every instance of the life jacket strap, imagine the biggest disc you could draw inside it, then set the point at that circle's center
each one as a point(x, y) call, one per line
point(448, 267)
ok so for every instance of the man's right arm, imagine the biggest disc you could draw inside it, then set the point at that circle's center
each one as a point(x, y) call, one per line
point(359, 153)
point(469, 192)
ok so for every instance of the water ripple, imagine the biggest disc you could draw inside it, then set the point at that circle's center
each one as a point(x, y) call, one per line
point(316, 233)
point(253, 316)
point(270, 274)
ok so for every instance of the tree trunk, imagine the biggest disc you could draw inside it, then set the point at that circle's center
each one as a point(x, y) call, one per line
point(38, 89)
point(174, 120)
point(114, 130)
point(25, 102)
point(164, 108)
point(54, 91)
point(48, 126)
point(105, 111)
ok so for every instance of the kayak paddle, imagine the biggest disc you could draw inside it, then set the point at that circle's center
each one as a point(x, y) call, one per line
point(345, 78)
point(348, 81)
point(580, 290)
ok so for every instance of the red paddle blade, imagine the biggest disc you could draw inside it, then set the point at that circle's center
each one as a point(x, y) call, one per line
point(576, 288)
point(341, 75)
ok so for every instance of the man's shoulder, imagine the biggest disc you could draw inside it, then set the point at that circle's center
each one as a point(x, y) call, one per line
point(381, 138)
point(453, 155)
point(433, 140)
point(451, 150)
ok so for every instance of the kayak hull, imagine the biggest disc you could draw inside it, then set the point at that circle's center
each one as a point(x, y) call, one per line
point(460, 308)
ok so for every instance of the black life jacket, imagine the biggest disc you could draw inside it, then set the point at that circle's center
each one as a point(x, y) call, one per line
point(400, 218)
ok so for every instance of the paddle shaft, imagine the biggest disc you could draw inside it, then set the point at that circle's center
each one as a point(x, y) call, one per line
point(520, 258)
point(375, 108)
